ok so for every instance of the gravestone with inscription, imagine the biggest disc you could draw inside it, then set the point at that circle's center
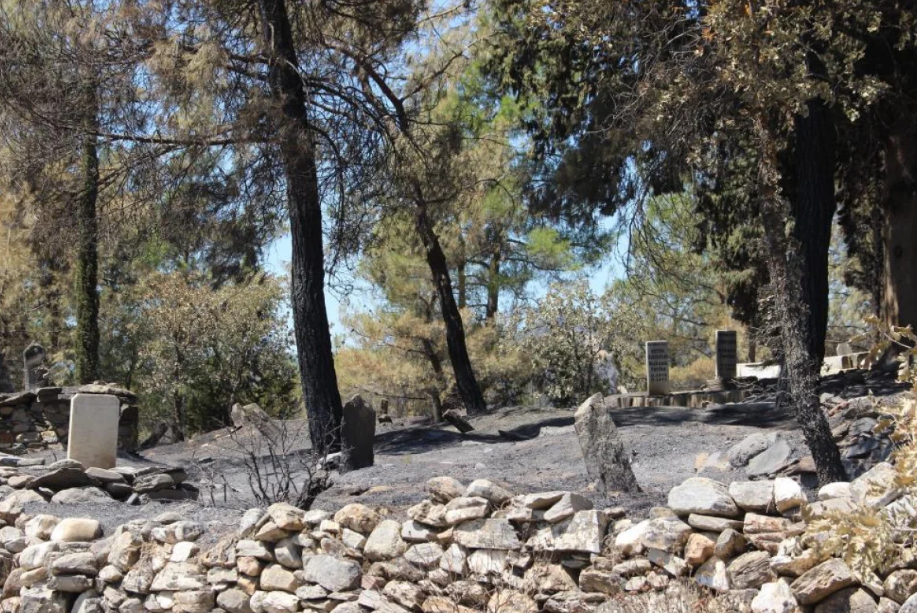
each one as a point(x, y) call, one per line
point(726, 354)
point(35, 374)
point(93, 436)
point(657, 368)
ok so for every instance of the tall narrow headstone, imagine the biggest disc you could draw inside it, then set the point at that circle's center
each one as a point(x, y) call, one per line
point(657, 368)
point(34, 372)
point(726, 354)
point(93, 436)
point(358, 431)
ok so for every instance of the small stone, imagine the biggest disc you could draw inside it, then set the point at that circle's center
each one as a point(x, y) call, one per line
point(775, 597)
point(74, 529)
point(331, 573)
point(385, 541)
point(817, 584)
point(444, 489)
point(699, 549)
point(276, 577)
point(487, 534)
point(424, 555)
point(750, 570)
point(729, 544)
point(358, 517)
point(753, 495)
point(566, 507)
point(788, 494)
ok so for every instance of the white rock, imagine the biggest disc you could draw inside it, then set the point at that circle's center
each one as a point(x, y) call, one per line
point(839, 489)
point(788, 494)
point(702, 496)
point(776, 597)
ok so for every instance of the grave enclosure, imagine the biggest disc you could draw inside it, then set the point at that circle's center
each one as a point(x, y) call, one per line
point(40, 419)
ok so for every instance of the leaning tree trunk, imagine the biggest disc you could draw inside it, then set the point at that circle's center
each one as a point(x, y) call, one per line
point(465, 380)
point(899, 306)
point(786, 282)
point(297, 153)
point(87, 267)
point(813, 215)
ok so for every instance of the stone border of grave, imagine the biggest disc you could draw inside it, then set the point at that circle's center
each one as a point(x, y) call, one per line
point(40, 419)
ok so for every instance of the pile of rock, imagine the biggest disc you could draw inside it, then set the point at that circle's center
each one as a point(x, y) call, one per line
point(861, 427)
point(749, 543)
point(461, 550)
point(40, 419)
point(25, 480)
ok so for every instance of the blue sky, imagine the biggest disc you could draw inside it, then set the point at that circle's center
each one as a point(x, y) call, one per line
point(278, 254)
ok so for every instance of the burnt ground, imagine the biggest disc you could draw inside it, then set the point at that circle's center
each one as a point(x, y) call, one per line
point(665, 443)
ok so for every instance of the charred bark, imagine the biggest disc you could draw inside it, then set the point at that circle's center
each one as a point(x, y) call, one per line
point(465, 379)
point(813, 210)
point(297, 153)
point(899, 307)
point(493, 287)
point(87, 267)
point(784, 265)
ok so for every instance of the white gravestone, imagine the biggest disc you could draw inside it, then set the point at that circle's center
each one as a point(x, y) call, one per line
point(93, 436)
point(727, 356)
point(657, 368)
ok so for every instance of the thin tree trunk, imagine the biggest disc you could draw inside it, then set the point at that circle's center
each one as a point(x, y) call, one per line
point(493, 287)
point(899, 306)
point(814, 206)
point(437, 366)
point(465, 380)
point(786, 282)
point(310, 318)
point(87, 271)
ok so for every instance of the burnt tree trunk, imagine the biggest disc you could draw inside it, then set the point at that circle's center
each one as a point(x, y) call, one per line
point(785, 268)
point(465, 380)
point(297, 153)
point(899, 306)
point(87, 266)
point(493, 287)
point(814, 206)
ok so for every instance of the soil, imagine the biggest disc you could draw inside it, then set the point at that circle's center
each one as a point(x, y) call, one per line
point(505, 446)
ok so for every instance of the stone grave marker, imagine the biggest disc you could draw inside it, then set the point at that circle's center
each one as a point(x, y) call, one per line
point(358, 429)
point(657, 368)
point(93, 436)
point(727, 356)
point(34, 371)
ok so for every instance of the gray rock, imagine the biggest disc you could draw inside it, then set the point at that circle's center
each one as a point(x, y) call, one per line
point(772, 460)
point(850, 600)
point(487, 534)
point(385, 543)
point(603, 450)
point(750, 570)
point(81, 495)
point(331, 573)
point(741, 453)
point(753, 495)
point(358, 430)
point(703, 496)
point(817, 584)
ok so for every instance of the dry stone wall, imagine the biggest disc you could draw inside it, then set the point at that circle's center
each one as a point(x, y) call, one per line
point(465, 548)
point(40, 418)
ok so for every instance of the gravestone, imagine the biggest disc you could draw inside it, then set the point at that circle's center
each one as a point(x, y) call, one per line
point(35, 374)
point(727, 356)
point(6, 384)
point(607, 462)
point(843, 349)
point(657, 368)
point(358, 430)
point(93, 436)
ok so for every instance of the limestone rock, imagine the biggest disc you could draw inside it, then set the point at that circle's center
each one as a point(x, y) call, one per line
point(750, 570)
point(424, 555)
point(817, 584)
point(465, 508)
point(385, 543)
point(900, 585)
point(753, 495)
point(729, 544)
point(607, 462)
point(742, 452)
point(839, 489)
point(511, 601)
point(286, 517)
point(584, 532)
point(566, 507)
point(772, 460)
point(712, 575)
point(454, 560)
point(487, 534)
point(73, 529)
point(788, 494)
point(877, 487)
point(358, 517)
point(713, 524)
point(331, 573)
point(276, 577)
point(850, 600)
point(699, 549)
point(489, 491)
point(444, 489)
point(699, 495)
point(775, 597)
